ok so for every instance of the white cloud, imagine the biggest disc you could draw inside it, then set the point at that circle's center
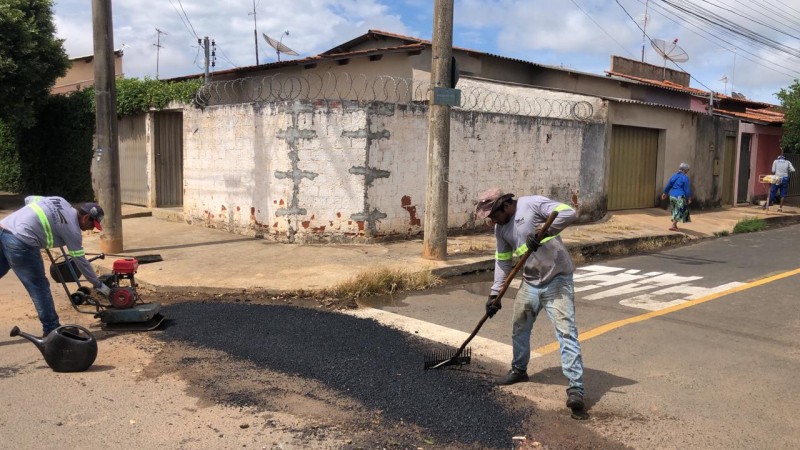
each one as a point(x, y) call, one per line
point(543, 31)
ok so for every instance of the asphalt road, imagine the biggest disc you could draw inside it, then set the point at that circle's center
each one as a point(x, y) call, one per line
point(693, 347)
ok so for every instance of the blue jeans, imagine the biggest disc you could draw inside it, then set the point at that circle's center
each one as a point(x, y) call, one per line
point(557, 298)
point(778, 189)
point(26, 262)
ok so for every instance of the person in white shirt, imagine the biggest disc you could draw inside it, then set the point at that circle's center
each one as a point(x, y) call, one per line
point(781, 168)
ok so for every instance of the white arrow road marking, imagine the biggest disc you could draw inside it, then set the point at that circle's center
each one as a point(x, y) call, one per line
point(662, 280)
point(668, 289)
point(654, 301)
point(485, 348)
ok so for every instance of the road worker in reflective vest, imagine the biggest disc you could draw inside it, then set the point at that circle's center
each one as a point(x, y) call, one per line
point(547, 282)
point(47, 222)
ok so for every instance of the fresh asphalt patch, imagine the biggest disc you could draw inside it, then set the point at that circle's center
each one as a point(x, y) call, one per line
point(379, 367)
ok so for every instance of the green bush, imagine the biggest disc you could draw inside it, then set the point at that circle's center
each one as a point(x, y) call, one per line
point(749, 225)
point(10, 174)
point(135, 96)
point(53, 156)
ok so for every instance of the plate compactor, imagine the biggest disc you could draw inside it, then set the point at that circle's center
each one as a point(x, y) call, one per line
point(123, 310)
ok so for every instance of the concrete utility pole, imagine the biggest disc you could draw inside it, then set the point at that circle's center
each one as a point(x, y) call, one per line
point(435, 228)
point(206, 52)
point(105, 163)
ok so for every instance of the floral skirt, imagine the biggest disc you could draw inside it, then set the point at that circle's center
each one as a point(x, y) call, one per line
point(680, 209)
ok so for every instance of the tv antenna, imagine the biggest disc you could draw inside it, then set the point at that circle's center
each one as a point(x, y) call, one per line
point(158, 48)
point(278, 45)
point(724, 79)
point(644, 19)
point(669, 51)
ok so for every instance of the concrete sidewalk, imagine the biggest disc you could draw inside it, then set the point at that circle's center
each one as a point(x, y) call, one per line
point(201, 258)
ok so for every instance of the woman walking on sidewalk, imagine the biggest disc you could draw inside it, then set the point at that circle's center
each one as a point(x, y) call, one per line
point(680, 196)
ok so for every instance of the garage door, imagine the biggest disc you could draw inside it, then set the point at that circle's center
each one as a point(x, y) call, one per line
point(634, 154)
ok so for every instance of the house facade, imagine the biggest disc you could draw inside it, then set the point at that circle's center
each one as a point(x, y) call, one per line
point(80, 74)
point(333, 148)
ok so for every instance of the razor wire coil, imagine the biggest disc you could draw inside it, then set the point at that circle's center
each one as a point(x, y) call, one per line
point(343, 86)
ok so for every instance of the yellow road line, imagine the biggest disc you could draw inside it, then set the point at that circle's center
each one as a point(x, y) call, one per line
point(553, 346)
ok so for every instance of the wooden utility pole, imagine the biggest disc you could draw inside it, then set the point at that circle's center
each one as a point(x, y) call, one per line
point(435, 227)
point(105, 162)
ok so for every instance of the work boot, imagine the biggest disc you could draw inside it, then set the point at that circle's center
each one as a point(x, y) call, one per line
point(576, 404)
point(513, 376)
point(575, 399)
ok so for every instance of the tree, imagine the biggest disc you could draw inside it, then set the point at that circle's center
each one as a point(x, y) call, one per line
point(790, 100)
point(31, 58)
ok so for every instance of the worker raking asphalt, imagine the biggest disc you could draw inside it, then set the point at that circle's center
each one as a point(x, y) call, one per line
point(380, 367)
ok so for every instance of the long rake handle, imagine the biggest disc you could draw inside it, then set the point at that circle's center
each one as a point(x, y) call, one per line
point(507, 282)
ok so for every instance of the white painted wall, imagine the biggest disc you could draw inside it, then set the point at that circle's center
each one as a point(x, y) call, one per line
point(348, 171)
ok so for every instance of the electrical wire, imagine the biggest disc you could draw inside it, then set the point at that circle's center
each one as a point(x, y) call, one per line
point(738, 14)
point(689, 24)
point(651, 42)
point(603, 29)
point(182, 21)
point(187, 19)
point(713, 19)
point(224, 56)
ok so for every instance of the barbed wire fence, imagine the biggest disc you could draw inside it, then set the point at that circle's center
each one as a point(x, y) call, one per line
point(342, 86)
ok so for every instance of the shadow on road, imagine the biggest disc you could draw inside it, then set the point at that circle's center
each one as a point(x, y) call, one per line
point(596, 382)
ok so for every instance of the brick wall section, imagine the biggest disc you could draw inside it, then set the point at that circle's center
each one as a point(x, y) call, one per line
point(356, 172)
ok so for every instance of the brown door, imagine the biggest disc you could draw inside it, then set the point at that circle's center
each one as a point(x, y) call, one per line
point(728, 170)
point(632, 181)
point(168, 148)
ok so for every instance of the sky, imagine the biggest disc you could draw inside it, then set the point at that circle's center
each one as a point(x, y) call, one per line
point(577, 34)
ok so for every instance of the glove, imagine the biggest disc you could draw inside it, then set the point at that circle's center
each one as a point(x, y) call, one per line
point(532, 242)
point(105, 290)
point(491, 308)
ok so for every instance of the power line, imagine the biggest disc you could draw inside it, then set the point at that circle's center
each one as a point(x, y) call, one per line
point(225, 57)
point(603, 29)
point(191, 31)
point(689, 24)
point(714, 19)
point(187, 18)
point(651, 42)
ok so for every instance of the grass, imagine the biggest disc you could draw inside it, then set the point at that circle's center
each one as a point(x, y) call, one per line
point(382, 281)
point(749, 225)
point(619, 250)
point(721, 233)
point(471, 246)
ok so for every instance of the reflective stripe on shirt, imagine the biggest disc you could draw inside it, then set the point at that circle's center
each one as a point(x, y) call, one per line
point(48, 233)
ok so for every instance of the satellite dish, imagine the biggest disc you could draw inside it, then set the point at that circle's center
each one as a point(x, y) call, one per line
point(669, 51)
point(278, 45)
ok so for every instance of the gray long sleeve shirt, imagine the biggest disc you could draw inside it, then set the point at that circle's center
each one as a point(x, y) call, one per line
point(551, 259)
point(47, 222)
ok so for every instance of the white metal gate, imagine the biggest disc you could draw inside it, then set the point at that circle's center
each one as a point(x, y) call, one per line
point(133, 160)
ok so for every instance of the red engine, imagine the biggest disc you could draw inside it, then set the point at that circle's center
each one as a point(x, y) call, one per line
point(124, 297)
point(127, 266)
